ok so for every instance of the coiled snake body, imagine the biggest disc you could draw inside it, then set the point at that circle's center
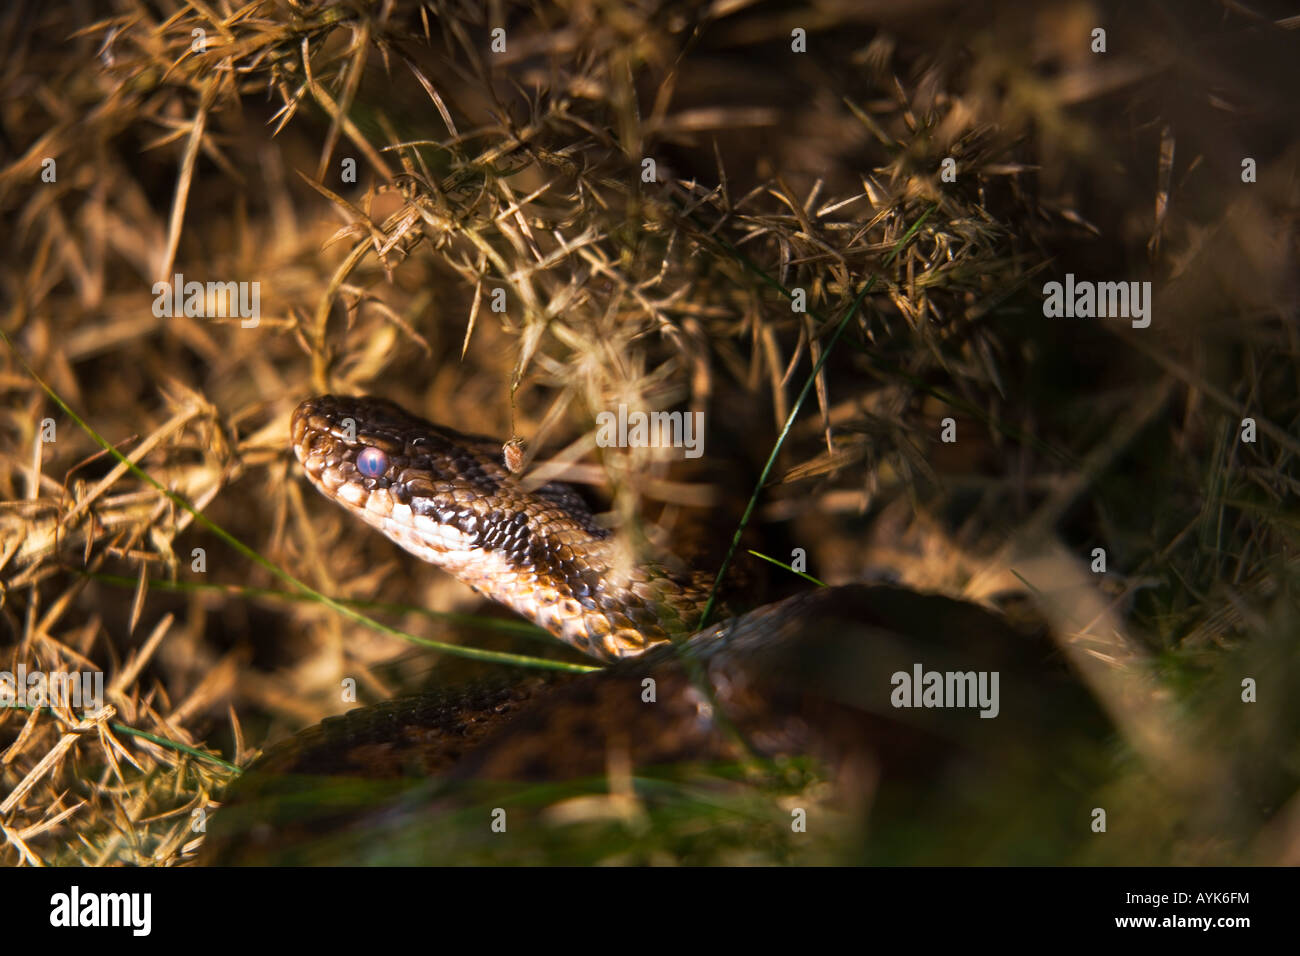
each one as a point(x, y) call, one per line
point(812, 676)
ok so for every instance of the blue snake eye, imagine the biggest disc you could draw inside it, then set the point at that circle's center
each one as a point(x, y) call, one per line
point(372, 462)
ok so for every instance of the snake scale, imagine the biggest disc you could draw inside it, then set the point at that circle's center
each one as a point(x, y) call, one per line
point(807, 677)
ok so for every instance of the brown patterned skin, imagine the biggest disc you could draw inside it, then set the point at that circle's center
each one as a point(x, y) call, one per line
point(823, 651)
point(449, 499)
point(810, 676)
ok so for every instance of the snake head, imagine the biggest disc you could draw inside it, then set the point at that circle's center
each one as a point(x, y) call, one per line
point(448, 498)
point(431, 489)
point(353, 446)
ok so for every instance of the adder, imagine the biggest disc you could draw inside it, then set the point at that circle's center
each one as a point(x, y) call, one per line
point(815, 676)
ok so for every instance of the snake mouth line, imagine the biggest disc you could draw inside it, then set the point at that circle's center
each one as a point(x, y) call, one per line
point(448, 498)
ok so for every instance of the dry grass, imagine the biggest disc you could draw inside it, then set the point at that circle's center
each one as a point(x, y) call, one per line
point(480, 173)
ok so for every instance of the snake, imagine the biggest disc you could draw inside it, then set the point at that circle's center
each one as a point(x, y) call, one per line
point(810, 675)
point(449, 499)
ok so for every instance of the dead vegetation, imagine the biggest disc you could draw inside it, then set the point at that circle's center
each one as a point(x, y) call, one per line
point(218, 141)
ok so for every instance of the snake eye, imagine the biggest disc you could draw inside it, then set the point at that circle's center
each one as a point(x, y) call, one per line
point(372, 462)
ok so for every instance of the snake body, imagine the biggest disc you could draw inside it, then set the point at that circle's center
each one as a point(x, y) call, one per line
point(810, 676)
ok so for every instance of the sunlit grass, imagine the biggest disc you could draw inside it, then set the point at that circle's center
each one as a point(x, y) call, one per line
point(521, 174)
